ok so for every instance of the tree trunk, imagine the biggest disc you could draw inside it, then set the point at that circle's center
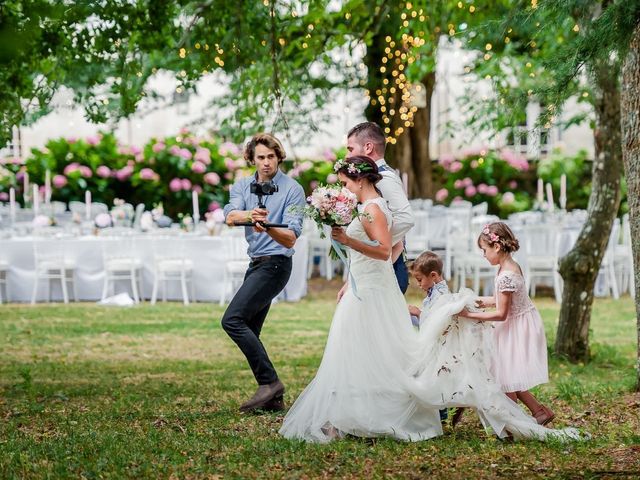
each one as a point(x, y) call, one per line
point(579, 268)
point(422, 181)
point(630, 106)
point(410, 153)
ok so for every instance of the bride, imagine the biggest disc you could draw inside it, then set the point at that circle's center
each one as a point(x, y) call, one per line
point(378, 376)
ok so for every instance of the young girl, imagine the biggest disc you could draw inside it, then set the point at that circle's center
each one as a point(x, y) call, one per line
point(520, 359)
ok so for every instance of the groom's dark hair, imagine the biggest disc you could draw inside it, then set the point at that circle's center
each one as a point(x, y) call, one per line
point(369, 132)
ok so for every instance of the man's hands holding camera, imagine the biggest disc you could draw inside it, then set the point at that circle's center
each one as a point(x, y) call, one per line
point(259, 217)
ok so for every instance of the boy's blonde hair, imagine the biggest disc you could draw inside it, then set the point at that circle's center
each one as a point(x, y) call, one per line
point(426, 263)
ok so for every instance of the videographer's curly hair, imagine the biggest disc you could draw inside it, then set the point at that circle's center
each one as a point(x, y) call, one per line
point(499, 233)
point(364, 168)
point(268, 141)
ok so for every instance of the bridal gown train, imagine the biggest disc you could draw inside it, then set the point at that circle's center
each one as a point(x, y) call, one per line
point(379, 377)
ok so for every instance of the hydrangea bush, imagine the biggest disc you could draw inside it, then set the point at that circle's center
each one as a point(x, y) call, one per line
point(164, 171)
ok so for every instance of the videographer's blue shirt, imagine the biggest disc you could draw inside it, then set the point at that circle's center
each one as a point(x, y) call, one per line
point(289, 193)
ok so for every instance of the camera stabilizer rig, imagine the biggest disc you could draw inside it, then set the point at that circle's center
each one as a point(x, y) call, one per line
point(261, 189)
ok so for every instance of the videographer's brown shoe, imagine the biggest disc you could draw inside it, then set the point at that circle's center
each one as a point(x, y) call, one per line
point(263, 396)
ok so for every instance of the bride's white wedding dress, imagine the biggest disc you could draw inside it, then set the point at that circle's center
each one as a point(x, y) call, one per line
point(379, 377)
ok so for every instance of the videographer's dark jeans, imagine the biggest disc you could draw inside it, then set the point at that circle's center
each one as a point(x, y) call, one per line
point(402, 273)
point(247, 311)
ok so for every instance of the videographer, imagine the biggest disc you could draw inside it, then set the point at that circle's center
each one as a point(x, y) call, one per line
point(270, 249)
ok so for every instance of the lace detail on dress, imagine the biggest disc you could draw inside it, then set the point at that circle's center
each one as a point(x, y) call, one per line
point(514, 282)
point(506, 283)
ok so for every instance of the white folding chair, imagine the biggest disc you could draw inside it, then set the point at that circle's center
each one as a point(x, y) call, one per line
point(607, 266)
point(171, 264)
point(53, 263)
point(121, 262)
point(4, 269)
point(236, 263)
point(542, 245)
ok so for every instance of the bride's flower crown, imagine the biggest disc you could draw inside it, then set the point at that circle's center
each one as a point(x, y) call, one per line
point(351, 167)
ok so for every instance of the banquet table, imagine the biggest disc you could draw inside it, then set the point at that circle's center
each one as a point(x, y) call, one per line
point(208, 254)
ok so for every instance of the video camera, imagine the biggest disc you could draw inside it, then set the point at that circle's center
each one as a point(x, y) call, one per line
point(261, 189)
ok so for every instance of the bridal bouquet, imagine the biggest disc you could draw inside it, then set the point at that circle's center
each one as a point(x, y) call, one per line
point(333, 206)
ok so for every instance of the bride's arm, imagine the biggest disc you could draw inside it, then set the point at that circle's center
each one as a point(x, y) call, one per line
point(376, 229)
point(498, 315)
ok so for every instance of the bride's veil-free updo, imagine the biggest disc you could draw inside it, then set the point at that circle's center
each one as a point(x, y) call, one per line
point(365, 168)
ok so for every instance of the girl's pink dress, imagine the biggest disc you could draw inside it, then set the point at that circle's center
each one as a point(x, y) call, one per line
point(520, 358)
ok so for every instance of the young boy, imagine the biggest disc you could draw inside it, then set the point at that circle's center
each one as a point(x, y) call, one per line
point(427, 270)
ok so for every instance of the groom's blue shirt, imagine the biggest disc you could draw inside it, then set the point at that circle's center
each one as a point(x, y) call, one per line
point(289, 193)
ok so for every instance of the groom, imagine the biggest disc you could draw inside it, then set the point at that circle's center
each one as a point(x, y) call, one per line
point(368, 139)
point(270, 250)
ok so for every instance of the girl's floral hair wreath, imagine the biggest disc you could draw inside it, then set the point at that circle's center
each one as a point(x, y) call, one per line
point(352, 168)
point(492, 236)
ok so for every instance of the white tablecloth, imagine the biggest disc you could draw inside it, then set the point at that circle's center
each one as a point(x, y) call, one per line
point(207, 254)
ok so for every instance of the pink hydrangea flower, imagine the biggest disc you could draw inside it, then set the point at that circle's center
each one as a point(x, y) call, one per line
point(332, 178)
point(4, 196)
point(228, 148)
point(185, 153)
point(442, 194)
point(124, 173)
point(294, 172)
point(230, 164)
point(467, 182)
point(186, 184)
point(513, 184)
point(313, 184)
point(72, 167)
point(197, 189)
point(446, 159)
point(203, 155)
point(455, 166)
point(508, 198)
point(329, 155)
point(72, 139)
point(103, 171)
point(85, 171)
point(228, 176)
point(135, 150)
point(212, 178)
point(470, 191)
point(93, 140)
point(174, 150)
point(492, 190)
point(175, 185)
point(213, 206)
point(198, 167)
point(158, 147)
point(148, 174)
point(305, 166)
point(59, 181)
point(458, 184)
point(482, 188)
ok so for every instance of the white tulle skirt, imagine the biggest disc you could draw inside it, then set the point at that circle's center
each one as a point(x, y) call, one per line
point(379, 377)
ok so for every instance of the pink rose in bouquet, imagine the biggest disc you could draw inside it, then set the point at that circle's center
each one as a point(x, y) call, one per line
point(333, 206)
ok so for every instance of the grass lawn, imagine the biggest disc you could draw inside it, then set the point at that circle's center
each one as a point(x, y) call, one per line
point(152, 392)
